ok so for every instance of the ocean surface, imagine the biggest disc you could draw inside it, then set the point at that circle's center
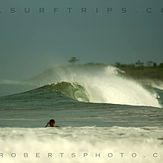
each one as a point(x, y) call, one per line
point(103, 117)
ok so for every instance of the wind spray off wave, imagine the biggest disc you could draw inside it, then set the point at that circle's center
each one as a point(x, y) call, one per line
point(102, 84)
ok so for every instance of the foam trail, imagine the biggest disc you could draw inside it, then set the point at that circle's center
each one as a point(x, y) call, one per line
point(104, 85)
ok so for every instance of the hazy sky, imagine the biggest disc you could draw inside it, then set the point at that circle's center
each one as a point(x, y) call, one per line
point(30, 43)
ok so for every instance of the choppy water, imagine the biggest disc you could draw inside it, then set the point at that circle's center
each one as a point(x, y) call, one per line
point(95, 126)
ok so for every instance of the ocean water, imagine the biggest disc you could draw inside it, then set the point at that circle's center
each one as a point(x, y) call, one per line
point(103, 117)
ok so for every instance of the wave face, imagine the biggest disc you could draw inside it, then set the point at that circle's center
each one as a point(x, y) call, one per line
point(101, 85)
point(72, 90)
point(80, 145)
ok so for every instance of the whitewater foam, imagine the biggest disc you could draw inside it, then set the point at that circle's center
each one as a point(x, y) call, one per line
point(103, 85)
point(78, 145)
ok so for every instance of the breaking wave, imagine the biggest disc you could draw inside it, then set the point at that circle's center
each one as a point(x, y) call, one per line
point(98, 84)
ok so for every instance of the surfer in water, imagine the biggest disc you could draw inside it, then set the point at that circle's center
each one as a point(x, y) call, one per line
point(51, 123)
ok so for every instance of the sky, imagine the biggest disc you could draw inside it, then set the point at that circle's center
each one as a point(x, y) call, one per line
point(33, 42)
